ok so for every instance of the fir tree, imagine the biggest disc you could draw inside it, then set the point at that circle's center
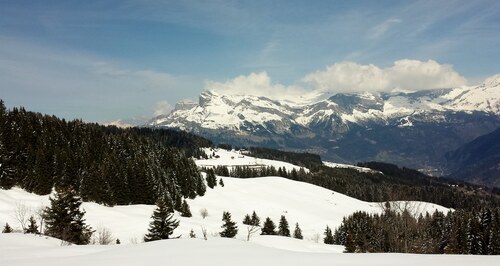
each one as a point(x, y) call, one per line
point(283, 228)
point(163, 224)
point(230, 228)
point(192, 234)
point(328, 236)
point(221, 183)
point(268, 228)
point(255, 220)
point(297, 233)
point(64, 219)
point(350, 246)
point(247, 220)
point(7, 229)
point(118, 241)
point(32, 227)
point(185, 210)
point(211, 179)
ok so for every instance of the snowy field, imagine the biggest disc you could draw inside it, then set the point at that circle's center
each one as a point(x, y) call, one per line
point(311, 206)
point(237, 158)
point(18, 249)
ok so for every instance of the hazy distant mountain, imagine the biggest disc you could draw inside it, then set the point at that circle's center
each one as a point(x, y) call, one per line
point(478, 161)
point(414, 129)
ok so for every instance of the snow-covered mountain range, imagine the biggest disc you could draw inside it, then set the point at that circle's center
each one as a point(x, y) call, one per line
point(348, 127)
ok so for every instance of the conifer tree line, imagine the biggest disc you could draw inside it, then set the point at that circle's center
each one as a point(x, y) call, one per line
point(457, 232)
point(106, 165)
point(396, 184)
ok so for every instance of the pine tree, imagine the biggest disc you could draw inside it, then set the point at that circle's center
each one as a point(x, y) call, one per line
point(221, 183)
point(255, 220)
point(247, 220)
point(192, 234)
point(283, 228)
point(328, 236)
point(230, 228)
point(350, 246)
point(211, 179)
point(163, 224)
point(297, 233)
point(32, 227)
point(185, 210)
point(118, 241)
point(64, 219)
point(268, 228)
point(7, 229)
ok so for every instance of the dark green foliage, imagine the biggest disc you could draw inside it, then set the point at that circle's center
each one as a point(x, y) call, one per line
point(247, 220)
point(185, 210)
point(457, 232)
point(308, 160)
point(221, 183)
point(64, 219)
point(32, 227)
point(211, 178)
point(268, 228)
point(163, 224)
point(7, 229)
point(106, 165)
point(118, 241)
point(230, 228)
point(328, 236)
point(297, 233)
point(192, 234)
point(252, 220)
point(283, 228)
point(255, 220)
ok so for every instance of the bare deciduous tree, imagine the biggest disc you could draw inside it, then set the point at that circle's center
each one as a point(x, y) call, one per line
point(22, 214)
point(103, 236)
point(204, 213)
point(204, 232)
point(251, 230)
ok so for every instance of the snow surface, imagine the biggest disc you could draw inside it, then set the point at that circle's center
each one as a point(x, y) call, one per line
point(238, 158)
point(340, 165)
point(311, 206)
point(18, 249)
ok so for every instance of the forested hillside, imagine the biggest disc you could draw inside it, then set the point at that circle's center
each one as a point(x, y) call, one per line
point(107, 165)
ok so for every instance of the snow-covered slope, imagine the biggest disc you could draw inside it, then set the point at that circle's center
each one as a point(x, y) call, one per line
point(311, 206)
point(16, 249)
point(221, 157)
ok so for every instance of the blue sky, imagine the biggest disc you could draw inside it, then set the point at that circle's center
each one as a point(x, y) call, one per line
point(105, 60)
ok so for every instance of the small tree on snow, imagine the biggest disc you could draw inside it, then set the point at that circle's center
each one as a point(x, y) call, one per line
point(230, 228)
point(163, 224)
point(7, 229)
point(221, 183)
point(328, 236)
point(204, 213)
point(185, 210)
point(64, 219)
point(283, 229)
point(298, 232)
point(32, 226)
point(268, 228)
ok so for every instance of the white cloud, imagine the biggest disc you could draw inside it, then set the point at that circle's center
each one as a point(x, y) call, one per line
point(404, 74)
point(378, 30)
point(162, 108)
point(256, 84)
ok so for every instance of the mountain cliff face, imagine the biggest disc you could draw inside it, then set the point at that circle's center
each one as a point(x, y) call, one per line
point(412, 129)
